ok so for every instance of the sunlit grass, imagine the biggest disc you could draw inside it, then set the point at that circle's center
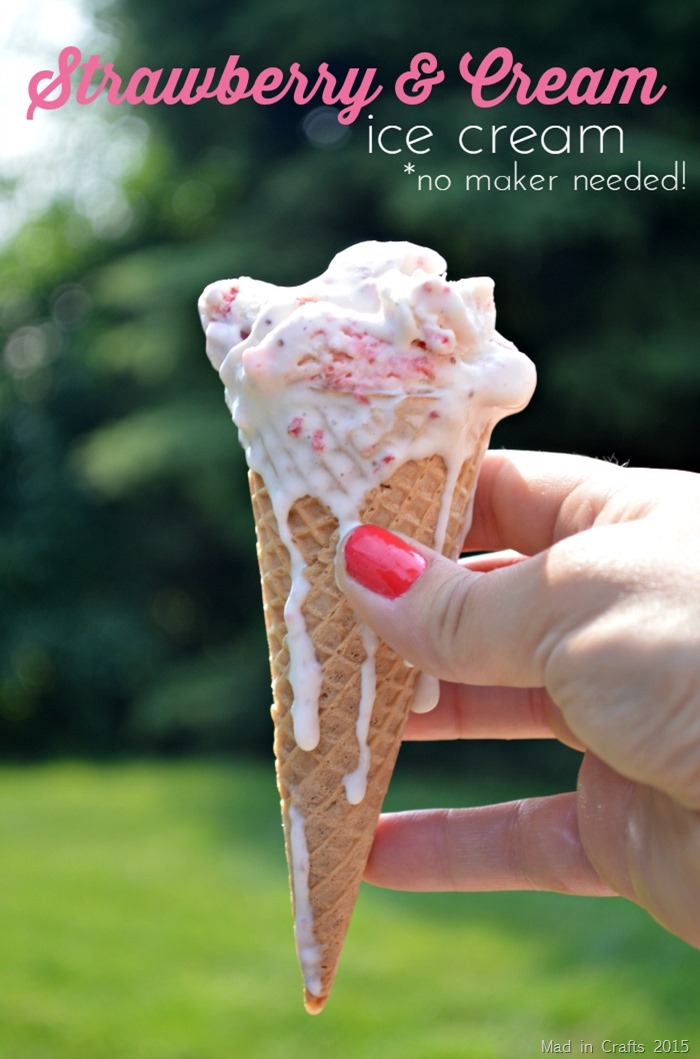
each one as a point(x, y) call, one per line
point(143, 914)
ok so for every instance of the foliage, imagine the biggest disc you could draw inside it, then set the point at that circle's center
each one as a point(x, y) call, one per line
point(132, 611)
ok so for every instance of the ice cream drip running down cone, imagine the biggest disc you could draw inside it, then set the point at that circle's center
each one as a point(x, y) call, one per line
point(366, 395)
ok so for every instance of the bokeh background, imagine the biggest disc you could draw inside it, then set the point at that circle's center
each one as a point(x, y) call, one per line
point(143, 908)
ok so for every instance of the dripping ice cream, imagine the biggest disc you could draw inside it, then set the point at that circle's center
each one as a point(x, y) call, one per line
point(366, 394)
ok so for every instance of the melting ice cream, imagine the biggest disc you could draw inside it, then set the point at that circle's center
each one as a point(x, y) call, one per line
point(313, 375)
point(333, 385)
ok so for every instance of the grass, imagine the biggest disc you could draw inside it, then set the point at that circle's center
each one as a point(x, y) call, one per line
point(144, 915)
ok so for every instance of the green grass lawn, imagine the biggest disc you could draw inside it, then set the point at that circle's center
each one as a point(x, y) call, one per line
point(144, 915)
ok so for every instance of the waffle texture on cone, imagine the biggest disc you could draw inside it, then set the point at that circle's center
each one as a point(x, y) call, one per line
point(338, 834)
point(368, 394)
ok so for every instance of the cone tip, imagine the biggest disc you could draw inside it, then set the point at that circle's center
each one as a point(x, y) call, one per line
point(314, 1004)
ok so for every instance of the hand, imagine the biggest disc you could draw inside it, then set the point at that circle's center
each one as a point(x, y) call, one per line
point(589, 632)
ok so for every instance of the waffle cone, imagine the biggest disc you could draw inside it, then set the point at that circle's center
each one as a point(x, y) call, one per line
point(339, 834)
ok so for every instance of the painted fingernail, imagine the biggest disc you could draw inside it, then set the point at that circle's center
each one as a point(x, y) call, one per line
point(381, 562)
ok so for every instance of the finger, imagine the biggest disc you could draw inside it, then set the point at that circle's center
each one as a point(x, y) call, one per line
point(466, 712)
point(484, 564)
point(469, 628)
point(528, 500)
point(524, 845)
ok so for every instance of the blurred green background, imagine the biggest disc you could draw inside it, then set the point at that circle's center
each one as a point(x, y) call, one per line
point(142, 908)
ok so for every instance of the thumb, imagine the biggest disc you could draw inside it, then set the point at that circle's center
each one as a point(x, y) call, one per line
point(461, 626)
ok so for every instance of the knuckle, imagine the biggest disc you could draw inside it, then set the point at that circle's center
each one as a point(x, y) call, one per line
point(450, 636)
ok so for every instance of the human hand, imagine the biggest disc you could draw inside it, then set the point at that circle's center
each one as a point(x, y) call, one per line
point(589, 632)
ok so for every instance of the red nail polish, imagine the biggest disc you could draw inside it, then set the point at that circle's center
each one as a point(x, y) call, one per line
point(381, 562)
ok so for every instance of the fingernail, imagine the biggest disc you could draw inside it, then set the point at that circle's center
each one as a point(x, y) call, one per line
point(381, 562)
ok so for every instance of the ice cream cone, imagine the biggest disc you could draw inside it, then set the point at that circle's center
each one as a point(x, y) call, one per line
point(366, 395)
point(338, 834)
